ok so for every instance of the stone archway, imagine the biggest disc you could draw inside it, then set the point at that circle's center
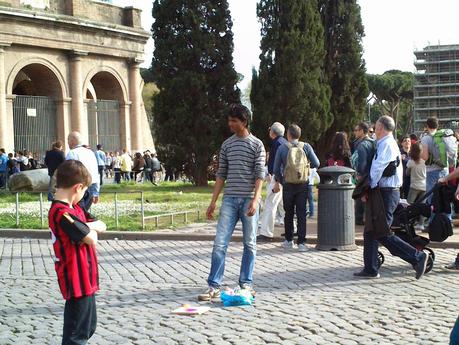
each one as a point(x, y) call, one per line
point(106, 96)
point(37, 91)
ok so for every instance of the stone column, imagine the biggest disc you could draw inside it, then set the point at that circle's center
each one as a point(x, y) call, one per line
point(78, 118)
point(125, 126)
point(136, 113)
point(5, 130)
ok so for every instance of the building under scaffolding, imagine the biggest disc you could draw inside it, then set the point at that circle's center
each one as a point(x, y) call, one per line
point(436, 86)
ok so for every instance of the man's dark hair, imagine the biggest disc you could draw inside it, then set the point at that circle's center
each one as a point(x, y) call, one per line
point(72, 172)
point(2, 150)
point(99, 146)
point(413, 136)
point(240, 112)
point(364, 126)
point(294, 131)
point(432, 123)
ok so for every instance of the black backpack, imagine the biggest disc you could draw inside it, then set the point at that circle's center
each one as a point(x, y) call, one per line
point(440, 227)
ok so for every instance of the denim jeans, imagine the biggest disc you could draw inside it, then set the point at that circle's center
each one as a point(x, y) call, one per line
point(394, 244)
point(232, 210)
point(310, 198)
point(454, 336)
point(294, 198)
point(86, 202)
point(3, 179)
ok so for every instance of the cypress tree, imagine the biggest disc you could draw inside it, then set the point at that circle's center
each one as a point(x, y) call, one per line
point(193, 69)
point(290, 86)
point(344, 65)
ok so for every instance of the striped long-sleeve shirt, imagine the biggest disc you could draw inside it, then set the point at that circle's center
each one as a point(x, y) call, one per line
point(241, 162)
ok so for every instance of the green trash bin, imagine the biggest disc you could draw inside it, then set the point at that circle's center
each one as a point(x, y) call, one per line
point(335, 223)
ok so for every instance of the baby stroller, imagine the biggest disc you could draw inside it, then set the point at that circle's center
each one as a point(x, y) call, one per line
point(405, 217)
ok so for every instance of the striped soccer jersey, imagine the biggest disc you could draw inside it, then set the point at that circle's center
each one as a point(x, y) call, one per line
point(75, 262)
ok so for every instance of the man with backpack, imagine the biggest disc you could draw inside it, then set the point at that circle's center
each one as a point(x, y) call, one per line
point(291, 169)
point(439, 150)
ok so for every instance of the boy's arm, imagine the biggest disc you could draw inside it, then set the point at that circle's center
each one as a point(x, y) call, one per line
point(77, 230)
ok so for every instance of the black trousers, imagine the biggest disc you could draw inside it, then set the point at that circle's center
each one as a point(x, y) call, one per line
point(294, 197)
point(80, 320)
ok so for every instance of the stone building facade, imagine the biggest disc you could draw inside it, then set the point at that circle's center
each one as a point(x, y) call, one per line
point(71, 65)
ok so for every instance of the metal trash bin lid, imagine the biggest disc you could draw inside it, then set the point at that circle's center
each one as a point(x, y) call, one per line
point(336, 175)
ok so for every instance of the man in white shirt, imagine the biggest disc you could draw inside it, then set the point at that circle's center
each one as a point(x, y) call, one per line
point(88, 158)
point(386, 176)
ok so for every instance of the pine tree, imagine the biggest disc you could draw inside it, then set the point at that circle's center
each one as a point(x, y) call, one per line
point(344, 65)
point(193, 69)
point(290, 86)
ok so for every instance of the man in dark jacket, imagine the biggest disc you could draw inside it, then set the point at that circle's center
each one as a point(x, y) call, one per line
point(386, 175)
point(364, 149)
point(53, 159)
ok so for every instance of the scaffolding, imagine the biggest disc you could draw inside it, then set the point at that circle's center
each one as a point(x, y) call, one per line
point(436, 86)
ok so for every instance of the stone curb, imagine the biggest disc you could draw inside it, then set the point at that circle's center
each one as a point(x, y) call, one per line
point(168, 236)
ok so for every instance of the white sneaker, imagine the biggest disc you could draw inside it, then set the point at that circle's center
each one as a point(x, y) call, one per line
point(287, 244)
point(302, 248)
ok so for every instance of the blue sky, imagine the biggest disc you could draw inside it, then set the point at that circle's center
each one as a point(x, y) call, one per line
point(393, 28)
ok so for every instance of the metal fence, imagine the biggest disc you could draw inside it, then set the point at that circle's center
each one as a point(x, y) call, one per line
point(104, 124)
point(171, 216)
point(34, 119)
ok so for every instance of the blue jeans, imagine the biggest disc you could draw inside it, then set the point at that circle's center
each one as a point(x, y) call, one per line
point(294, 198)
point(311, 200)
point(232, 210)
point(394, 244)
point(454, 337)
point(86, 202)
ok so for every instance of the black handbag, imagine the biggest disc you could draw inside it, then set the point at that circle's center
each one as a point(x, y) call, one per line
point(440, 227)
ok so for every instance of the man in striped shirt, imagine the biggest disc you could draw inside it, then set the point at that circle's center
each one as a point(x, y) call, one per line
point(241, 165)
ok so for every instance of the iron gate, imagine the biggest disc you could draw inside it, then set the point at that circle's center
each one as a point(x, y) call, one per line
point(34, 120)
point(104, 124)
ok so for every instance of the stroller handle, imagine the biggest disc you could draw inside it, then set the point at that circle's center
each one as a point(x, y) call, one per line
point(429, 193)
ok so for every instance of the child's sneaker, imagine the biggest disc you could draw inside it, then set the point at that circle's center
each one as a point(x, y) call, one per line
point(211, 293)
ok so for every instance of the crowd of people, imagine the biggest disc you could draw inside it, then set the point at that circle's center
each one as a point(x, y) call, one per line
point(382, 169)
point(387, 171)
point(142, 167)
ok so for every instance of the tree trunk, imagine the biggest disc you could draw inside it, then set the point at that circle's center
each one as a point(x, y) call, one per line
point(200, 175)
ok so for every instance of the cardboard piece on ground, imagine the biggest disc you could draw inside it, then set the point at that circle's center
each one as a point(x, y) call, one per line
point(190, 310)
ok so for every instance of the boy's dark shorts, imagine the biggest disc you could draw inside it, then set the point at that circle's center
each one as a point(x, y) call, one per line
point(80, 320)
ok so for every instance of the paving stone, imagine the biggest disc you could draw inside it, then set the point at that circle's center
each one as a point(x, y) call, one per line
point(302, 299)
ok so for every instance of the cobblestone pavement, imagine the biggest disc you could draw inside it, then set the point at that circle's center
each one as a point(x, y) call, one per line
point(303, 298)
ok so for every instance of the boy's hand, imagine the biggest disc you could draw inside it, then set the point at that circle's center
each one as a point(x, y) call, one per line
point(95, 199)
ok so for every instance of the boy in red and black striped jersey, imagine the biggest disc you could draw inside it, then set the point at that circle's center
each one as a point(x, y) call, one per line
point(74, 236)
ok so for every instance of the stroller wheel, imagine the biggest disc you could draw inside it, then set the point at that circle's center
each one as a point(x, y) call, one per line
point(430, 261)
point(431, 253)
point(380, 259)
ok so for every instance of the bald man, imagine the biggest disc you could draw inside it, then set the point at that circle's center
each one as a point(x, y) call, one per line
point(88, 158)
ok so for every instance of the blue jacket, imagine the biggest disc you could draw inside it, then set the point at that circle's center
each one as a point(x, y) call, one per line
point(364, 151)
point(281, 160)
point(278, 142)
